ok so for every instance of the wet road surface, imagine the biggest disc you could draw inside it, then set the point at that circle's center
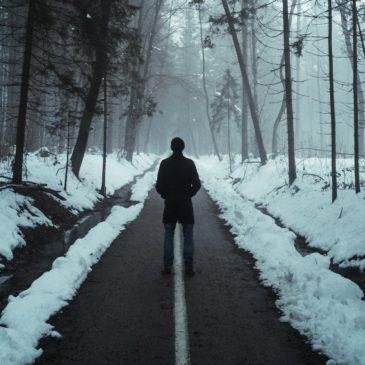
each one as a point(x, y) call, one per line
point(123, 313)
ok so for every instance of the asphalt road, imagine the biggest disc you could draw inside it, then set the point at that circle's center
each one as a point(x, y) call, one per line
point(123, 313)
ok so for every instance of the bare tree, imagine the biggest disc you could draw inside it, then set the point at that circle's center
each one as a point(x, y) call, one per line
point(355, 85)
point(244, 116)
point(278, 119)
point(246, 82)
point(288, 95)
point(206, 96)
point(332, 104)
point(345, 12)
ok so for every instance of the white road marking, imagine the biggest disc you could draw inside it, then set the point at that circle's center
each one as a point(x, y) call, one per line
point(182, 352)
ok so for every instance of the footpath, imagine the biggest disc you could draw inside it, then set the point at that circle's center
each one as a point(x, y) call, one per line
point(124, 311)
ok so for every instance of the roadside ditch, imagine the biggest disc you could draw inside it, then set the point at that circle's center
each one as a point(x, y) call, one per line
point(303, 247)
point(46, 243)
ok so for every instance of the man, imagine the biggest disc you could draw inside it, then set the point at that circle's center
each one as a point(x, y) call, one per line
point(177, 183)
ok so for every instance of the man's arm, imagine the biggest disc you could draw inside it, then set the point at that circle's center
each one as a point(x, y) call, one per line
point(160, 183)
point(195, 181)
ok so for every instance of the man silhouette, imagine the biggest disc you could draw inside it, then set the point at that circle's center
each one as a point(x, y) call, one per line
point(177, 182)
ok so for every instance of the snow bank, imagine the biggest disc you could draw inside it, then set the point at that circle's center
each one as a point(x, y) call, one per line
point(24, 320)
point(139, 191)
point(336, 228)
point(83, 195)
point(17, 211)
point(322, 305)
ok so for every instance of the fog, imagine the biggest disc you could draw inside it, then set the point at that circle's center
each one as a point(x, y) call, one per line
point(155, 85)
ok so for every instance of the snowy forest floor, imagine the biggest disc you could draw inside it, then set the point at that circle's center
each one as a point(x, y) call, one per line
point(239, 304)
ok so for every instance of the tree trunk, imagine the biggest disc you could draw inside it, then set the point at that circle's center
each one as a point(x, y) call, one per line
point(361, 98)
point(131, 125)
point(229, 129)
point(288, 94)
point(87, 116)
point(297, 133)
point(110, 136)
point(254, 72)
point(244, 120)
point(148, 134)
point(23, 104)
point(246, 82)
point(105, 130)
point(138, 99)
point(356, 100)
point(274, 142)
point(361, 122)
point(215, 146)
point(92, 96)
point(332, 104)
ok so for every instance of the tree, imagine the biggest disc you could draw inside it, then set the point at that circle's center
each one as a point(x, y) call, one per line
point(203, 46)
point(355, 85)
point(97, 29)
point(23, 103)
point(288, 94)
point(274, 142)
point(345, 12)
point(140, 101)
point(223, 106)
point(244, 116)
point(332, 104)
point(246, 82)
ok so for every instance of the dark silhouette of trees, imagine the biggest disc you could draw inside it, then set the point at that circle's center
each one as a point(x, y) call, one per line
point(24, 90)
point(97, 28)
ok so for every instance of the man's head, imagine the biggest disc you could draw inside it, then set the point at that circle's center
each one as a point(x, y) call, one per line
point(177, 144)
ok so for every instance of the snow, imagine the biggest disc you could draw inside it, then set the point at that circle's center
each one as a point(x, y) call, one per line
point(307, 209)
point(320, 304)
point(17, 211)
point(139, 191)
point(335, 228)
point(24, 320)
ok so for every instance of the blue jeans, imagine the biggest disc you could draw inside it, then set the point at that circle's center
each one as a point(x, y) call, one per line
point(188, 244)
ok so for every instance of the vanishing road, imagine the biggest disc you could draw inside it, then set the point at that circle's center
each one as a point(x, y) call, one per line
point(126, 312)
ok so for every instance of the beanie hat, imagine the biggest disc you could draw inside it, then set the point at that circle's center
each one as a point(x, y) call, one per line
point(177, 144)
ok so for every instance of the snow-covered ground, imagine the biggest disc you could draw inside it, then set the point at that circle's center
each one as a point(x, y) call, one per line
point(306, 208)
point(24, 320)
point(18, 211)
point(322, 305)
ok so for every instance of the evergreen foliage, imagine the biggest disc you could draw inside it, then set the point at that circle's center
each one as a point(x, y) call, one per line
point(225, 102)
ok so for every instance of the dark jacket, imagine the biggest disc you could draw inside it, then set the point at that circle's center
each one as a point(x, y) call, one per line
point(177, 182)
